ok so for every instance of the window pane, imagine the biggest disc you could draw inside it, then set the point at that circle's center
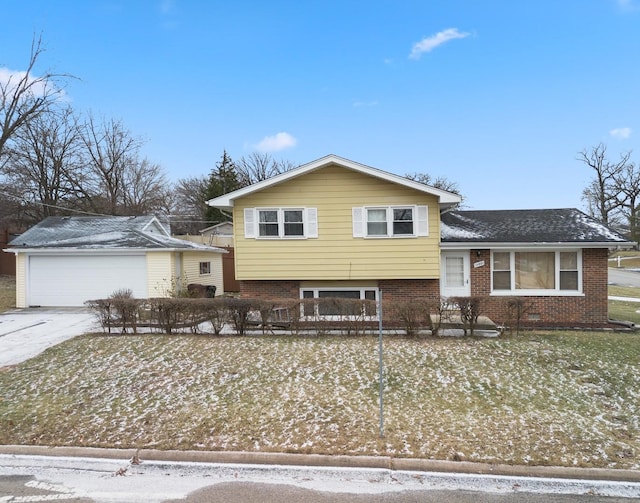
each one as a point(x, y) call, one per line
point(307, 294)
point(268, 222)
point(402, 214)
point(501, 261)
point(402, 221)
point(268, 216)
point(454, 271)
point(293, 229)
point(535, 270)
point(568, 261)
point(377, 229)
point(333, 305)
point(340, 294)
point(377, 222)
point(502, 280)
point(568, 280)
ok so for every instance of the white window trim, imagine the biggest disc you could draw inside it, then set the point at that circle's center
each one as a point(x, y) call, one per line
point(315, 291)
point(513, 292)
point(420, 215)
point(252, 222)
point(209, 267)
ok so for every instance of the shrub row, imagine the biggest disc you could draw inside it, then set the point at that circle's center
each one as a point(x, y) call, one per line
point(123, 313)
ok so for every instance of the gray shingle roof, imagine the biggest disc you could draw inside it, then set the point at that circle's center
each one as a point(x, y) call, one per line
point(566, 225)
point(84, 233)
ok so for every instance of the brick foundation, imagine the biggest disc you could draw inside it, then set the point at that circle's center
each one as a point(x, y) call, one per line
point(270, 289)
point(590, 310)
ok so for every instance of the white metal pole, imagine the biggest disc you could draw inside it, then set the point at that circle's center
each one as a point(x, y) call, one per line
point(380, 363)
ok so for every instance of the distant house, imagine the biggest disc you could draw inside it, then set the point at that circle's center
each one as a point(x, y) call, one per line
point(338, 228)
point(223, 229)
point(64, 261)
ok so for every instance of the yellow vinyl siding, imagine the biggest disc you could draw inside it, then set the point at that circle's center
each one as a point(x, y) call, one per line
point(336, 254)
point(160, 274)
point(191, 270)
point(21, 280)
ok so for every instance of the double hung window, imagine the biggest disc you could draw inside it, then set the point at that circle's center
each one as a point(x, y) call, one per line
point(339, 303)
point(291, 223)
point(537, 272)
point(390, 221)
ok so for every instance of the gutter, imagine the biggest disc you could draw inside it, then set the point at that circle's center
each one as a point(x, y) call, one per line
point(466, 245)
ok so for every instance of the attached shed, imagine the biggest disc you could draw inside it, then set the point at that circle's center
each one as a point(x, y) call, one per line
point(65, 261)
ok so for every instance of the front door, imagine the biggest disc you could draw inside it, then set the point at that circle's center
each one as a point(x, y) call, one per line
point(454, 278)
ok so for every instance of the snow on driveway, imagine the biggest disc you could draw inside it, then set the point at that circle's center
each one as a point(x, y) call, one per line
point(26, 333)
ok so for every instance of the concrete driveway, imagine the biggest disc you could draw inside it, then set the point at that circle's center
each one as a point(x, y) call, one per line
point(25, 333)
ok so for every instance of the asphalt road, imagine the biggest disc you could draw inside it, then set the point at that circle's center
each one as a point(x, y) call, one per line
point(624, 277)
point(44, 478)
point(268, 493)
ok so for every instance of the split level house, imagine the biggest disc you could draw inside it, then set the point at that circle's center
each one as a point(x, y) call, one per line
point(337, 228)
point(65, 261)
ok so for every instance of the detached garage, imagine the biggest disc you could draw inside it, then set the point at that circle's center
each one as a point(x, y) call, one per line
point(59, 280)
point(65, 261)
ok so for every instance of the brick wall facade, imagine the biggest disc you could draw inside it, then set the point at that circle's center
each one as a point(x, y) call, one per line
point(590, 310)
point(403, 290)
point(270, 289)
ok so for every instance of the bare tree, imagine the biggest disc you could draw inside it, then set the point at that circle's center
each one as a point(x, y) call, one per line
point(259, 166)
point(110, 151)
point(145, 189)
point(189, 208)
point(627, 185)
point(24, 96)
point(602, 193)
point(441, 183)
point(44, 163)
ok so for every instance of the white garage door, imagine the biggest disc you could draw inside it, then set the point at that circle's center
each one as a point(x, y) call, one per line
point(71, 280)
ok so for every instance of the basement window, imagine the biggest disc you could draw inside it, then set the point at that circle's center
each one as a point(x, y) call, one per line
point(340, 303)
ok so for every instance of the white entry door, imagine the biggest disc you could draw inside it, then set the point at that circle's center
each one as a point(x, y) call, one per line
point(455, 274)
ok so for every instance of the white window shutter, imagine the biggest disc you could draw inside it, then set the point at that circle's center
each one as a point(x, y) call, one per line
point(357, 216)
point(249, 223)
point(422, 221)
point(311, 230)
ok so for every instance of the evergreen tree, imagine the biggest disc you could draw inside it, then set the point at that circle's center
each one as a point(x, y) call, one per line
point(222, 179)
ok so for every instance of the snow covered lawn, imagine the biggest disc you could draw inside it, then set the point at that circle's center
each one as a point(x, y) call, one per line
point(569, 399)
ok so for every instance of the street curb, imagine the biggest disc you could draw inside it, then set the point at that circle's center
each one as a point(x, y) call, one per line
point(319, 460)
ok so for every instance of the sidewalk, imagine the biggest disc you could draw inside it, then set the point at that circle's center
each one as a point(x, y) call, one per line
point(317, 460)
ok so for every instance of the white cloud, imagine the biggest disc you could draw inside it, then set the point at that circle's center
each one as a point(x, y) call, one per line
point(9, 79)
point(627, 5)
point(429, 43)
point(621, 133)
point(280, 141)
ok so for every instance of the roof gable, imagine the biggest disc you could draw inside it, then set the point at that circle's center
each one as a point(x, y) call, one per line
point(555, 226)
point(446, 199)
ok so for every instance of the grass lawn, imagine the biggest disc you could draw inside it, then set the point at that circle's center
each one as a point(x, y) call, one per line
point(569, 398)
point(7, 292)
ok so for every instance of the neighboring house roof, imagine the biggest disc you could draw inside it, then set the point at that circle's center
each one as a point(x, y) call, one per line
point(565, 226)
point(105, 233)
point(447, 199)
point(219, 229)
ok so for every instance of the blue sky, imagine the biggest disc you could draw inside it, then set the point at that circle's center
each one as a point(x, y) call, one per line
point(496, 95)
